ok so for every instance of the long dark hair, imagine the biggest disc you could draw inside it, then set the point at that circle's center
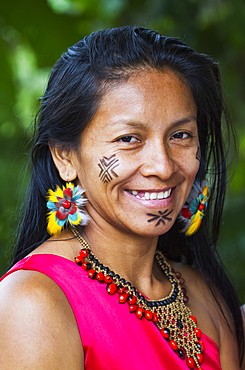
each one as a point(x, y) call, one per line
point(76, 85)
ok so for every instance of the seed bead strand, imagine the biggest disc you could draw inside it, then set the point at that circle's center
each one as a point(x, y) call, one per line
point(170, 314)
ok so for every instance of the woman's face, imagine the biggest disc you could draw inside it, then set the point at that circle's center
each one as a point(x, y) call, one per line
point(139, 155)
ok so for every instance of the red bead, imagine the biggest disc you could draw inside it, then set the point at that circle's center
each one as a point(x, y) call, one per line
point(91, 274)
point(66, 204)
point(108, 279)
point(178, 274)
point(79, 259)
point(86, 266)
point(165, 333)
point(148, 315)
point(201, 207)
point(155, 317)
point(184, 290)
point(111, 288)
point(181, 281)
point(122, 298)
point(122, 290)
point(84, 253)
point(173, 345)
point(132, 299)
point(185, 299)
point(133, 308)
point(100, 277)
point(194, 319)
point(190, 363)
point(198, 332)
point(199, 357)
point(140, 312)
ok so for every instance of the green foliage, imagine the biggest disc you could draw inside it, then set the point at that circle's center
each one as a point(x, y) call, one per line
point(34, 34)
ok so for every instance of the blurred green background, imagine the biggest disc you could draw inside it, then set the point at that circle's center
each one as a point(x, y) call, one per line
point(33, 34)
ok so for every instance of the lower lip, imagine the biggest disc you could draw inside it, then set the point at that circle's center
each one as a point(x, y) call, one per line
point(153, 203)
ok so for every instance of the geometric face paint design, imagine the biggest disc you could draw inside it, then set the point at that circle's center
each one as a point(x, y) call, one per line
point(198, 154)
point(107, 166)
point(161, 217)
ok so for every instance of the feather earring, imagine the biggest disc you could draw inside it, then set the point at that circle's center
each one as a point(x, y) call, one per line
point(65, 208)
point(194, 210)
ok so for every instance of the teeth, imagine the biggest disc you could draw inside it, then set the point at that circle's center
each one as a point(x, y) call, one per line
point(151, 196)
point(166, 193)
point(160, 195)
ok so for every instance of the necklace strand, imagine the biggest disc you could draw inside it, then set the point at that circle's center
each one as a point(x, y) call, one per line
point(170, 314)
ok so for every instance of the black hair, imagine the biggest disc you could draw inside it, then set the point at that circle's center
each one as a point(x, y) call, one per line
point(76, 85)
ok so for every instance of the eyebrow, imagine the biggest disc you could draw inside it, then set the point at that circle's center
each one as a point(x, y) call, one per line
point(140, 125)
point(128, 123)
point(184, 121)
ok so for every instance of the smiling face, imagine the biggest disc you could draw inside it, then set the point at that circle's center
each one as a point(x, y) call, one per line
point(138, 156)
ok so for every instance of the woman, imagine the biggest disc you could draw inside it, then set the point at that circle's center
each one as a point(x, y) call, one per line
point(134, 119)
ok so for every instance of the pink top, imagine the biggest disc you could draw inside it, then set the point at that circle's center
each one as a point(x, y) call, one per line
point(111, 337)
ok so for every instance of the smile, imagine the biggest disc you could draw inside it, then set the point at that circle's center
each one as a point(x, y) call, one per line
point(145, 195)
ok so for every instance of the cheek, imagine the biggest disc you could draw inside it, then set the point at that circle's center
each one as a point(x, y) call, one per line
point(108, 168)
point(114, 167)
point(190, 164)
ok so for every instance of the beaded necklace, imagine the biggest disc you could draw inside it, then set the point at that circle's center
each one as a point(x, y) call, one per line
point(170, 314)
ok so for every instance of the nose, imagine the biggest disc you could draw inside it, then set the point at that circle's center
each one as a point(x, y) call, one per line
point(158, 161)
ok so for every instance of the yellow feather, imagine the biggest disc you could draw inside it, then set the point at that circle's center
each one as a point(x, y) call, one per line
point(52, 198)
point(205, 191)
point(53, 228)
point(52, 195)
point(195, 223)
point(69, 185)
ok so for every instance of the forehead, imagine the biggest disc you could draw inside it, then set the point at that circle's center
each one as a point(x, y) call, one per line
point(146, 84)
point(147, 97)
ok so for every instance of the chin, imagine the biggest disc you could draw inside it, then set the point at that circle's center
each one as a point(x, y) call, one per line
point(153, 231)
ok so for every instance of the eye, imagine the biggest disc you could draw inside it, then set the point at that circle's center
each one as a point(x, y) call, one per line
point(128, 139)
point(181, 135)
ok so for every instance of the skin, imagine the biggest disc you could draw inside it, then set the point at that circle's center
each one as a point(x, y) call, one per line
point(107, 168)
point(149, 125)
point(160, 217)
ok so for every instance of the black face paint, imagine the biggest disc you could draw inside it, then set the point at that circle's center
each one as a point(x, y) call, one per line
point(107, 166)
point(161, 217)
point(198, 154)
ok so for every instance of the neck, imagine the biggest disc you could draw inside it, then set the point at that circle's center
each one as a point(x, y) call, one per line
point(129, 255)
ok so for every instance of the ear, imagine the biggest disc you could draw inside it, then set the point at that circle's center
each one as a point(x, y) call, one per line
point(64, 162)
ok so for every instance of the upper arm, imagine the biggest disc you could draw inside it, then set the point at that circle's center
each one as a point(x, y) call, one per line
point(38, 328)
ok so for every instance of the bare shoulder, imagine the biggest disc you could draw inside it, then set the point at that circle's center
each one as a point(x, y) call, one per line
point(38, 328)
point(212, 322)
